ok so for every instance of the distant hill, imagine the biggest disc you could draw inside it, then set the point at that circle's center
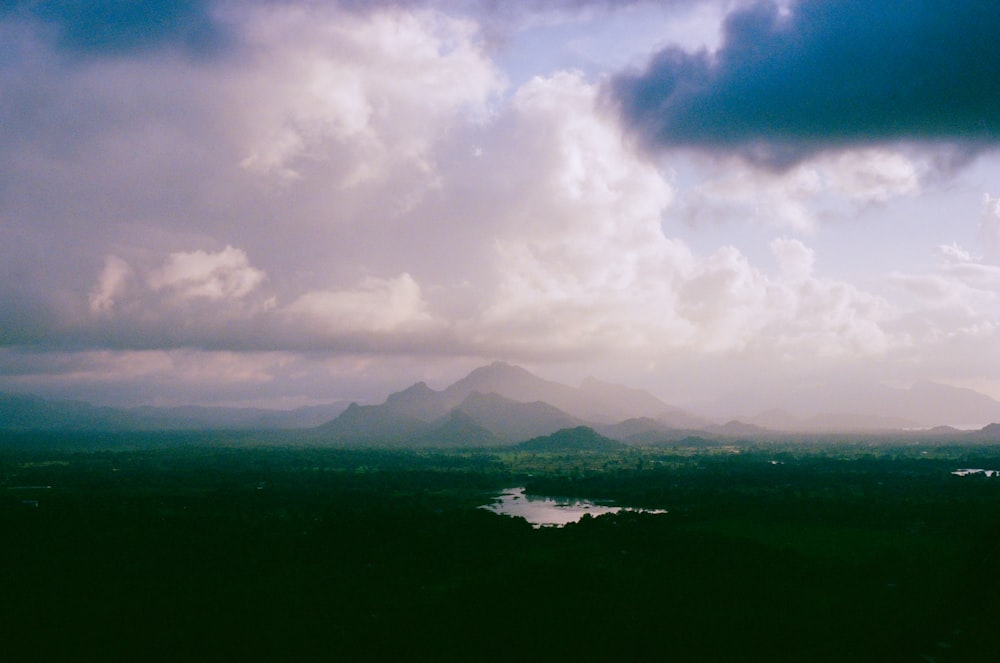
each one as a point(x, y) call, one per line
point(830, 407)
point(499, 404)
point(779, 420)
point(195, 417)
point(776, 419)
point(372, 424)
point(32, 413)
point(617, 403)
point(503, 404)
point(681, 419)
point(933, 404)
point(850, 421)
point(581, 438)
point(989, 432)
point(509, 402)
point(594, 401)
point(736, 428)
point(455, 430)
point(417, 402)
point(409, 417)
point(514, 421)
point(942, 431)
point(635, 428)
point(308, 416)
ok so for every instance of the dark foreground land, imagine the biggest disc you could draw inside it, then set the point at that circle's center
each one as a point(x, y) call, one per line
point(196, 548)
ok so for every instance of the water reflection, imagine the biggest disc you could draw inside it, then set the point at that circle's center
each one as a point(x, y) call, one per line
point(548, 511)
point(970, 470)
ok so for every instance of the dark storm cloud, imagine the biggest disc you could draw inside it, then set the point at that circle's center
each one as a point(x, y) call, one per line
point(827, 73)
point(116, 27)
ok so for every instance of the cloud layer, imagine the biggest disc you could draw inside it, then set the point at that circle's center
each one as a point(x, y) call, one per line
point(117, 27)
point(306, 200)
point(817, 74)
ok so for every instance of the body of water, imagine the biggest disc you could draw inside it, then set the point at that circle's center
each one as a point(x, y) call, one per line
point(969, 470)
point(550, 511)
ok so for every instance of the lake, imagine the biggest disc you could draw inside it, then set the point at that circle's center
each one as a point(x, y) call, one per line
point(550, 511)
point(969, 470)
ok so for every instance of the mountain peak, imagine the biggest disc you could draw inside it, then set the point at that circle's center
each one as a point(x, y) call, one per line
point(499, 369)
point(418, 401)
point(418, 390)
point(597, 401)
point(500, 377)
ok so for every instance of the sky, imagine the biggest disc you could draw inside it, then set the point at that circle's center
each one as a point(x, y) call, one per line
point(288, 202)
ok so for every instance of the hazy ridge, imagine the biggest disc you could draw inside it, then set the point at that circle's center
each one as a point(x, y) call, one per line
point(503, 404)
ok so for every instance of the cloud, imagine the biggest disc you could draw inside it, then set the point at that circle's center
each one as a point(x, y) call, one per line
point(352, 188)
point(145, 153)
point(989, 227)
point(795, 259)
point(823, 74)
point(205, 299)
point(872, 175)
point(367, 91)
point(958, 300)
point(122, 27)
point(111, 284)
point(186, 299)
point(377, 306)
point(569, 258)
point(200, 274)
point(763, 197)
point(590, 270)
point(801, 196)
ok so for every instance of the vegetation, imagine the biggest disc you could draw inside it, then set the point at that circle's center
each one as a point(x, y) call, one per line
point(242, 547)
point(579, 438)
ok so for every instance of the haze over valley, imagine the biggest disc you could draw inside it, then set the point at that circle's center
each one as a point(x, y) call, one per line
point(502, 404)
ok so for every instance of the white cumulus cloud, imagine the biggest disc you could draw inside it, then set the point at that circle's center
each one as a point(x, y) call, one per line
point(365, 91)
point(989, 227)
point(800, 198)
point(590, 268)
point(377, 305)
point(111, 284)
point(202, 274)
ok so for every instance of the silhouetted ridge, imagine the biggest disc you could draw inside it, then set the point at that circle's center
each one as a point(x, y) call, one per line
point(581, 438)
point(991, 431)
point(372, 424)
point(512, 420)
point(457, 429)
point(594, 401)
point(30, 412)
point(419, 401)
point(508, 381)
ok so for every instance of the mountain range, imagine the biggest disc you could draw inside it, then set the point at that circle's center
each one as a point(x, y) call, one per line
point(498, 404)
point(30, 412)
point(506, 404)
point(831, 406)
point(502, 404)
